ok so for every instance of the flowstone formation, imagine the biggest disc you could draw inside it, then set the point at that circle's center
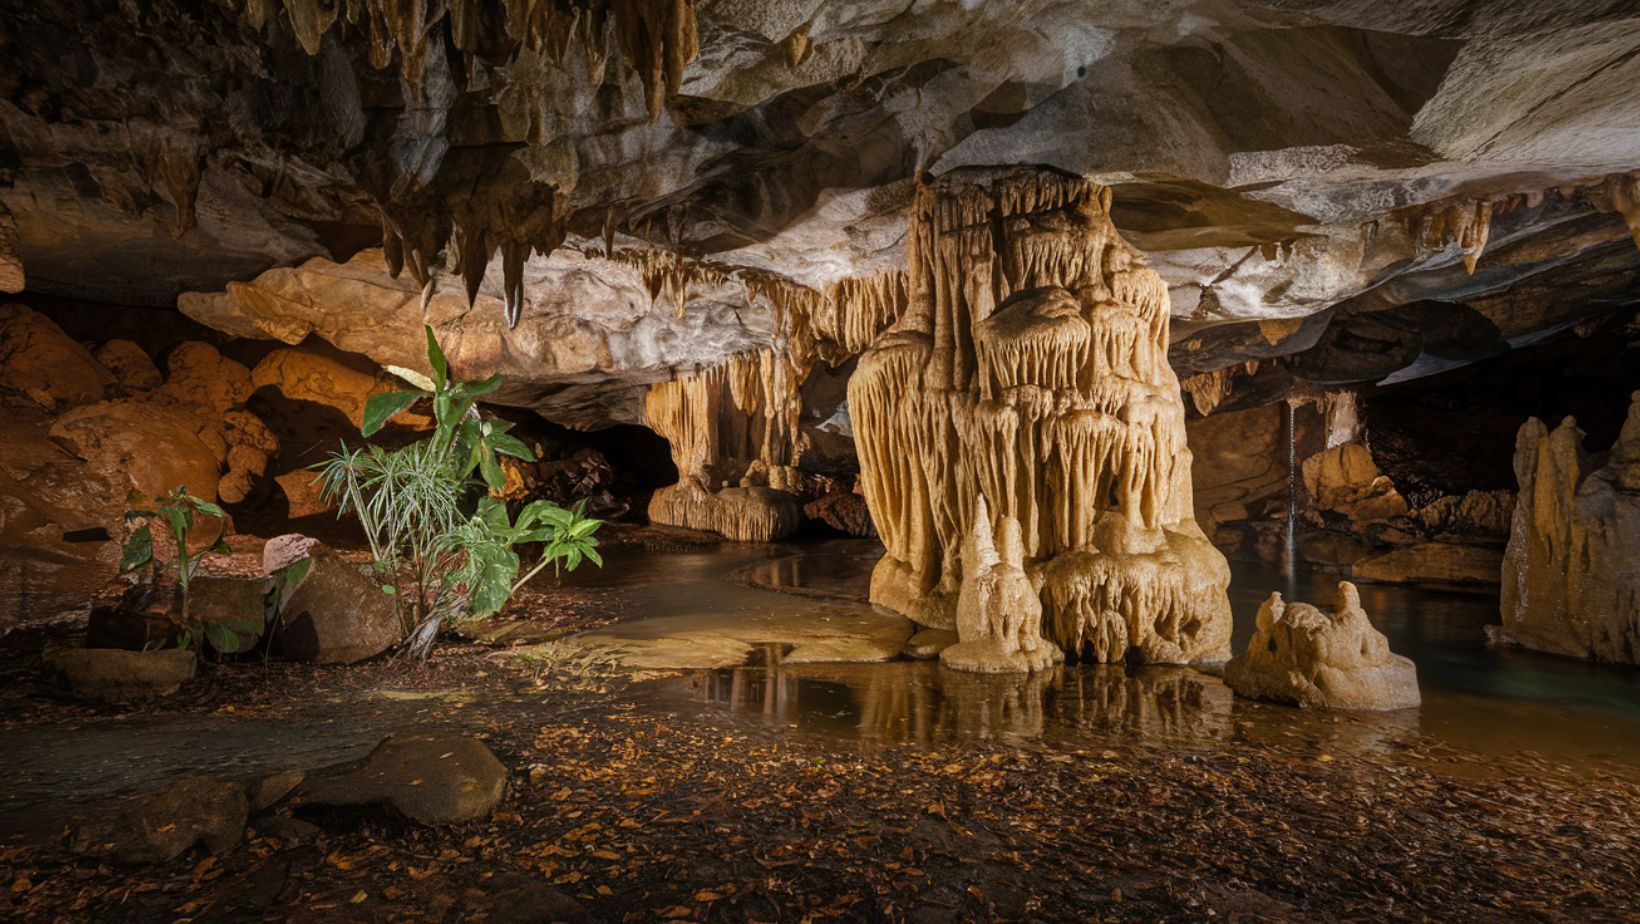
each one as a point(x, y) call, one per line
point(1571, 579)
point(1335, 660)
point(999, 618)
point(1029, 376)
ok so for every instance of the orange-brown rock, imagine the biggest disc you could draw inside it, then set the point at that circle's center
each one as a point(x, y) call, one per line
point(37, 358)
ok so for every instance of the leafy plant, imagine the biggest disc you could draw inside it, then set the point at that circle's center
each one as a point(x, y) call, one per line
point(488, 542)
point(471, 441)
point(179, 511)
point(409, 502)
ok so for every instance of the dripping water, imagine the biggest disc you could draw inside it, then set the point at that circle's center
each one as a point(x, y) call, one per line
point(1290, 556)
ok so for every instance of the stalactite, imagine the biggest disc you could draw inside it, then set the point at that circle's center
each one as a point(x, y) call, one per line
point(1207, 390)
point(1028, 376)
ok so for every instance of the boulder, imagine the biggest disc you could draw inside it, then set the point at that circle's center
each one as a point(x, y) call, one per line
point(157, 444)
point(1337, 660)
point(235, 603)
point(281, 552)
point(266, 792)
point(38, 358)
point(334, 613)
point(131, 366)
point(196, 373)
point(115, 675)
point(844, 511)
point(303, 375)
point(302, 493)
point(161, 826)
point(434, 779)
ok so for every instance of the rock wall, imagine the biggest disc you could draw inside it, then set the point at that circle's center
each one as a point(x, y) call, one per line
point(1029, 377)
point(1571, 578)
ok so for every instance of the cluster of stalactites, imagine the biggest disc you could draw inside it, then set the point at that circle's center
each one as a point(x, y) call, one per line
point(1467, 222)
point(514, 220)
point(1208, 390)
point(657, 38)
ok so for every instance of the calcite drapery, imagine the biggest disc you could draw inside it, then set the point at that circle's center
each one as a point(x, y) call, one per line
point(1030, 371)
point(1571, 580)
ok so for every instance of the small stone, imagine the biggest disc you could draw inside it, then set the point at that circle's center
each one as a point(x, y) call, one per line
point(266, 792)
point(433, 779)
point(159, 827)
point(115, 675)
point(293, 832)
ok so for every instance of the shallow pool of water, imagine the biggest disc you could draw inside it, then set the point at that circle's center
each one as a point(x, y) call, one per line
point(1476, 699)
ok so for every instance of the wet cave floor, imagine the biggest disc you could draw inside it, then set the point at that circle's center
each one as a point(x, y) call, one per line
point(897, 791)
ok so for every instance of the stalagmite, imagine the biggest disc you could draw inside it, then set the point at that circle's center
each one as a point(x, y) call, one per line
point(1029, 374)
point(1571, 580)
point(1337, 660)
point(999, 617)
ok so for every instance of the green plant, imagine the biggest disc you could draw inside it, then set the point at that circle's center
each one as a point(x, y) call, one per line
point(470, 441)
point(409, 502)
point(178, 510)
point(488, 542)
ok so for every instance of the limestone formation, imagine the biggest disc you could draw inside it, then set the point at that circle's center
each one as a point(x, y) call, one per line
point(999, 617)
point(1029, 375)
point(1334, 660)
point(734, 428)
point(11, 261)
point(1571, 577)
point(132, 367)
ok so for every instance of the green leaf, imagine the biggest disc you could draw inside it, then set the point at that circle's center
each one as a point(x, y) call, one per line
point(509, 445)
point(390, 590)
point(381, 408)
point(220, 638)
point(483, 386)
point(594, 557)
point(584, 528)
point(435, 358)
point(207, 508)
point(139, 550)
point(490, 581)
point(491, 470)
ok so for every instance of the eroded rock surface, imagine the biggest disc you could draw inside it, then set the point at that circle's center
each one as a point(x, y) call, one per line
point(114, 675)
point(159, 827)
point(334, 613)
point(1329, 660)
point(1571, 576)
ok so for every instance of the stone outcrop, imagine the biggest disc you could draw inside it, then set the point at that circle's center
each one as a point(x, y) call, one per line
point(133, 369)
point(1327, 660)
point(1029, 375)
point(1344, 479)
point(303, 375)
point(1571, 576)
point(334, 614)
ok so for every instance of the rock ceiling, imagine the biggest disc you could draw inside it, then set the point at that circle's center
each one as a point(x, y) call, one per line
point(1370, 190)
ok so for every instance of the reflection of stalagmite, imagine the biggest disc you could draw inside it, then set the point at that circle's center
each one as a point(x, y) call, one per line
point(1029, 371)
point(999, 618)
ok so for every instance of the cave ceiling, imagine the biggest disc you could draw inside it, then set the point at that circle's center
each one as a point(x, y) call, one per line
point(1369, 189)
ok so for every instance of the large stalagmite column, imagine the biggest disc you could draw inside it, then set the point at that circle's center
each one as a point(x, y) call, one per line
point(1030, 369)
